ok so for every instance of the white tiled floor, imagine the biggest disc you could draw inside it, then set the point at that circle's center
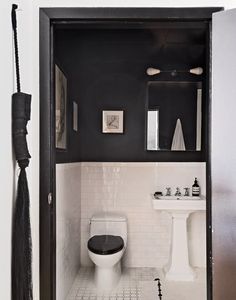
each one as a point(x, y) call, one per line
point(128, 288)
point(138, 284)
point(176, 290)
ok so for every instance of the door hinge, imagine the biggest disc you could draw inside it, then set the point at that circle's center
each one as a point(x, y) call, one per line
point(49, 198)
point(212, 260)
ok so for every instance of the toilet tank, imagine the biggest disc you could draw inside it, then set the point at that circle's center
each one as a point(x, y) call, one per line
point(109, 223)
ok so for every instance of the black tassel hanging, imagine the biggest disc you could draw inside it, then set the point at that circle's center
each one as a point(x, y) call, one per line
point(21, 231)
point(21, 250)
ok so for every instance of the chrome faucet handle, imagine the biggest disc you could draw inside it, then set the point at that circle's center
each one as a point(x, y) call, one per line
point(168, 191)
point(177, 193)
point(186, 191)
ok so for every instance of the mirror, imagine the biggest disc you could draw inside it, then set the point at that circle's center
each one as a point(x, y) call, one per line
point(174, 116)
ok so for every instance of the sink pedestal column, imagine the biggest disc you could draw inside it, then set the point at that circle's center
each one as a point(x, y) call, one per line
point(178, 268)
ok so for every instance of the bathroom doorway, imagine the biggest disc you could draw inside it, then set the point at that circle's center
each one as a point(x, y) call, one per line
point(59, 29)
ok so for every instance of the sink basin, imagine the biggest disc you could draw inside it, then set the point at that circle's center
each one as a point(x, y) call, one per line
point(180, 198)
point(173, 203)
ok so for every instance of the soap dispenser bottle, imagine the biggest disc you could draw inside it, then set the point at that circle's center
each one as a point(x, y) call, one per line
point(195, 189)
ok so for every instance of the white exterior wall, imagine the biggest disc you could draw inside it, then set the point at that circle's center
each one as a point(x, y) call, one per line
point(28, 22)
point(8, 170)
point(6, 162)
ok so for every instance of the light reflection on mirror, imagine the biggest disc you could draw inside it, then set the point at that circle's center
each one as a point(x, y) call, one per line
point(152, 130)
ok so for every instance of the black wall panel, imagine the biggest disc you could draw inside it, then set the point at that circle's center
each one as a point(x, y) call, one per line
point(106, 69)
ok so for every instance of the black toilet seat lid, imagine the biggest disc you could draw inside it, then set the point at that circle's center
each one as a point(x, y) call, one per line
point(105, 244)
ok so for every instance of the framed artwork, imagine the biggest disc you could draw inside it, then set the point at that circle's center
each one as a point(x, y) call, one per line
point(60, 106)
point(75, 116)
point(113, 121)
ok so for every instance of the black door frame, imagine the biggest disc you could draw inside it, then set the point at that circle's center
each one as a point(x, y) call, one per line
point(49, 17)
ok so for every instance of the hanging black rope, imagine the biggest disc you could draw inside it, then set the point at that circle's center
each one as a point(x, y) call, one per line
point(14, 27)
point(21, 232)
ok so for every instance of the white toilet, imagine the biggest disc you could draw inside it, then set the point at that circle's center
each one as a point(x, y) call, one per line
point(106, 246)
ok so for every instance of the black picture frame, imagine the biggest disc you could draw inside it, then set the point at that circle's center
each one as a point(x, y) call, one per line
point(61, 16)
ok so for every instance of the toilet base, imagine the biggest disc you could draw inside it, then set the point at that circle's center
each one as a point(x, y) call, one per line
point(107, 278)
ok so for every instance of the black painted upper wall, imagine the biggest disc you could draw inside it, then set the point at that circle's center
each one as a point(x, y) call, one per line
point(106, 69)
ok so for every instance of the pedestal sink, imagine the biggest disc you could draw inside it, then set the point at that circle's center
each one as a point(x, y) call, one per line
point(179, 208)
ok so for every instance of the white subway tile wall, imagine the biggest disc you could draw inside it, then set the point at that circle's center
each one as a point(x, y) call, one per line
point(68, 206)
point(128, 188)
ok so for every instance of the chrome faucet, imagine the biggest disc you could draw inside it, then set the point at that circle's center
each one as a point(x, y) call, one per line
point(186, 192)
point(177, 193)
point(168, 191)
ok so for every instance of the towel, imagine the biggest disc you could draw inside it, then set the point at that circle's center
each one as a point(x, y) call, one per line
point(178, 138)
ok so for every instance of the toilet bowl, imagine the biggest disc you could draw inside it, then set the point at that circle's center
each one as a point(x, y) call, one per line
point(106, 246)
